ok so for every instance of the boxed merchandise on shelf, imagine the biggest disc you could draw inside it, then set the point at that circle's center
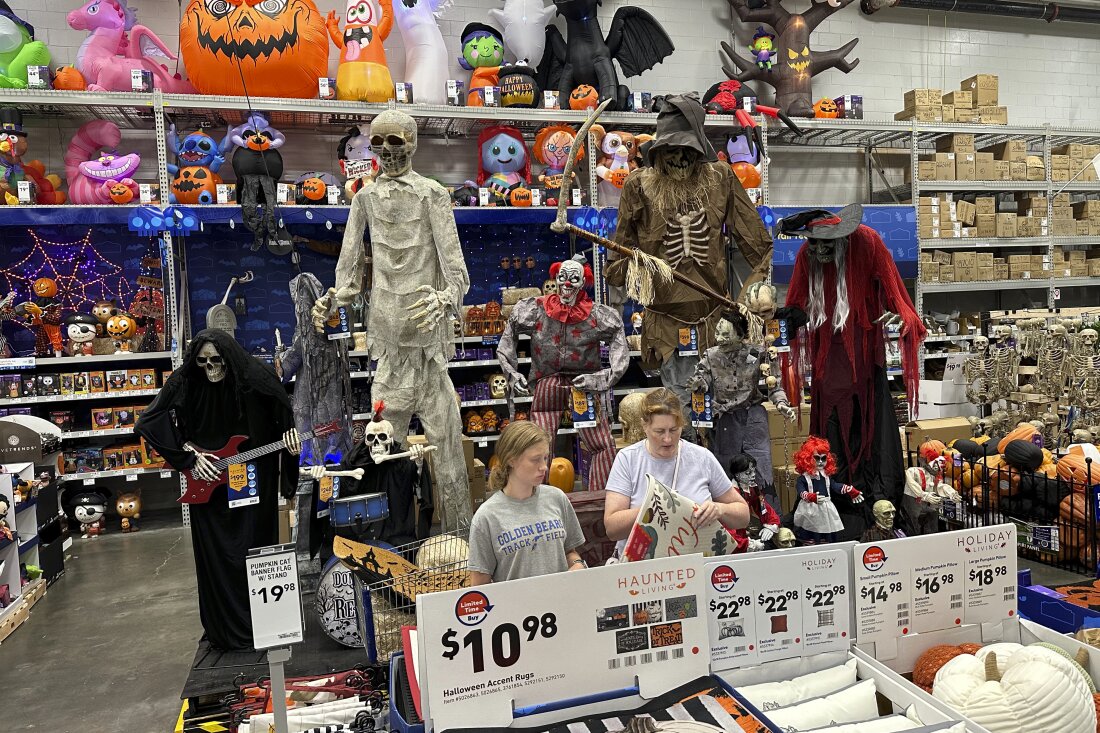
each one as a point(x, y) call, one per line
point(922, 98)
point(924, 113)
point(984, 89)
point(983, 167)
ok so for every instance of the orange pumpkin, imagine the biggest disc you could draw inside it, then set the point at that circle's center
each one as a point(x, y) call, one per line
point(314, 189)
point(195, 184)
point(1020, 432)
point(120, 193)
point(746, 173)
point(929, 663)
point(584, 97)
point(275, 49)
point(520, 196)
point(69, 79)
point(1076, 469)
point(562, 474)
point(45, 287)
point(1096, 702)
point(825, 109)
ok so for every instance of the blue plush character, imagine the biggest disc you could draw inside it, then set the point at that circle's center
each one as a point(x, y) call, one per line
point(503, 163)
point(195, 175)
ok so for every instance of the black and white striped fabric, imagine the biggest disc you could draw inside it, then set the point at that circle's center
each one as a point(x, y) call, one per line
point(703, 709)
point(327, 729)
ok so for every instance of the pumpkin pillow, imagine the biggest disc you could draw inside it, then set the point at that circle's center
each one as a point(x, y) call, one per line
point(1023, 431)
point(771, 695)
point(889, 724)
point(1023, 454)
point(850, 705)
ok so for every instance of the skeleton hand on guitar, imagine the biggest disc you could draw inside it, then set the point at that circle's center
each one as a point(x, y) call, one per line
point(203, 468)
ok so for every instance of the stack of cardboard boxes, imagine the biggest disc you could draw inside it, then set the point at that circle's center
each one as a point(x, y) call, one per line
point(974, 103)
point(1067, 160)
point(962, 267)
point(1076, 263)
point(945, 217)
point(956, 159)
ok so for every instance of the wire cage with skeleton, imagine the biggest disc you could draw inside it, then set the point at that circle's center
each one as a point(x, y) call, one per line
point(439, 563)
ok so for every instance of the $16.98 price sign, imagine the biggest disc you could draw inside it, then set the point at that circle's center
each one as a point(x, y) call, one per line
point(755, 615)
point(940, 581)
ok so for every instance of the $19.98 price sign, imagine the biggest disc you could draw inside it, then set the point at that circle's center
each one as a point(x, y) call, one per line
point(940, 581)
point(274, 596)
point(486, 651)
point(777, 606)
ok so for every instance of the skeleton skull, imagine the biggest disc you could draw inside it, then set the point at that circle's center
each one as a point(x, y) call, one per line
point(676, 161)
point(393, 140)
point(498, 385)
point(379, 437)
point(630, 415)
point(760, 298)
point(1057, 334)
point(1081, 436)
point(550, 287)
point(884, 514)
point(570, 279)
point(1087, 339)
point(784, 538)
point(980, 345)
point(1002, 333)
point(211, 362)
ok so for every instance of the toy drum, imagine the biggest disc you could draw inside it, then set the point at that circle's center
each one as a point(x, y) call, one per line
point(358, 512)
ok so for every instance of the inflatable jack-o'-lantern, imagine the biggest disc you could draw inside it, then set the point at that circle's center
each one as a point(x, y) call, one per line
point(561, 474)
point(520, 196)
point(825, 109)
point(584, 97)
point(747, 174)
point(278, 48)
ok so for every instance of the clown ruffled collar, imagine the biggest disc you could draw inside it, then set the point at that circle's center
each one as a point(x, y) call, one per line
point(568, 314)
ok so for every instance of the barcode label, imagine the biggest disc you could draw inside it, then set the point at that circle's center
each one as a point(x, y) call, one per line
point(903, 607)
point(956, 604)
point(739, 649)
point(832, 635)
point(662, 656)
point(903, 621)
point(647, 658)
point(956, 597)
point(788, 641)
point(630, 661)
point(612, 663)
point(677, 653)
point(1010, 596)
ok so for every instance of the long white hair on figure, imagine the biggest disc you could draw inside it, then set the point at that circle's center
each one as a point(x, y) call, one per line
point(817, 291)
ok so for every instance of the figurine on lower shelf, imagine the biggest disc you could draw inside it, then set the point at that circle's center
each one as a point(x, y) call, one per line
point(81, 329)
point(883, 528)
point(763, 519)
point(925, 490)
point(128, 507)
point(816, 515)
point(44, 316)
point(5, 507)
point(89, 509)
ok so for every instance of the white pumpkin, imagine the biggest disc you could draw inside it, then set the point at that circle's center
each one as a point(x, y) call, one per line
point(1007, 688)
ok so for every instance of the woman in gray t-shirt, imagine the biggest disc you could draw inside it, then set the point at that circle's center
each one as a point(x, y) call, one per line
point(525, 528)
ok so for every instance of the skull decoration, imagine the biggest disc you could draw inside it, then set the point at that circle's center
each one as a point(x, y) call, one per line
point(498, 386)
point(490, 421)
point(770, 381)
point(475, 321)
point(1002, 334)
point(1081, 436)
point(393, 140)
point(379, 433)
point(1087, 340)
point(979, 346)
point(211, 362)
point(571, 277)
point(550, 287)
point(980, 428)
point(784, 539)
point(630, 415)
point(473, 423)
point(760, 298)
point(1057, 336)
point(884, 513)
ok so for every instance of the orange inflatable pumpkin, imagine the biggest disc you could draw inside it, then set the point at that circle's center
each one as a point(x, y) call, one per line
point(1020, 432)
point(314, 189)
point(746, 173)
point(520, 196)
point(120, 193)
point(279, 47)
point(69, 79)
point(1074, 468)
point(192, 182)
point(825, 109)
point(584, 97)
point(561, 474)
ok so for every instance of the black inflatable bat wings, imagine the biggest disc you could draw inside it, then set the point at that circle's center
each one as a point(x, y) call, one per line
point(636, 40)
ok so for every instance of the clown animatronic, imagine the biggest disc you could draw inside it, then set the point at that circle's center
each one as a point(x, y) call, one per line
point(681, 209)
point(566, 329)
point(222, 391)
point(925, 490)
point(845, 284)
point(419, 278)
point(816, 515)
point(731, 372)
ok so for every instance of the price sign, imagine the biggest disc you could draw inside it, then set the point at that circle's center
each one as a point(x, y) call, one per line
point(484, 651)
point(755, 614)
point(922, 584)
point(274, 596)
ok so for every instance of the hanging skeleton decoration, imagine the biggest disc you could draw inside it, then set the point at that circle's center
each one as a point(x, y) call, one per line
point(566, 329)
point(1052, 359)
point(1085, 373)
point(419, 280)
point(980, 373)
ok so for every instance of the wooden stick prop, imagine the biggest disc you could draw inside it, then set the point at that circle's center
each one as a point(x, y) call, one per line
point(644, 268)
point(406, 454)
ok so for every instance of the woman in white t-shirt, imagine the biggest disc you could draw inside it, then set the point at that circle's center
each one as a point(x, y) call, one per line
point(688, 469)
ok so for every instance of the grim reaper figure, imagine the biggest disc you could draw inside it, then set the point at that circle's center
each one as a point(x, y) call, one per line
point(419, 278)
point(566, 329)
point(219, 392)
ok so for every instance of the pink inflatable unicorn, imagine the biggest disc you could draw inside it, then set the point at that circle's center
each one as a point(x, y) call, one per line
point(118, 46)
point(94, 176)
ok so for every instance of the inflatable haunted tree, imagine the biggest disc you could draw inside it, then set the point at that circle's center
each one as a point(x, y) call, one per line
point(795, 63)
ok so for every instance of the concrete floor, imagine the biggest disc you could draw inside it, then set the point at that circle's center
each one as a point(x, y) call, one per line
point(110, 645)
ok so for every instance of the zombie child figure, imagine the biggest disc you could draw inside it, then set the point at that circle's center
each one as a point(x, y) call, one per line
point(883, 529)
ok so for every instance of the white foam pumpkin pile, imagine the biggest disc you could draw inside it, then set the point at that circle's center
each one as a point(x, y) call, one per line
point(1011, 688)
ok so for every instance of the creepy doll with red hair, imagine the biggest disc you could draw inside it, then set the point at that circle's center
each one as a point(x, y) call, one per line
point(816, 518)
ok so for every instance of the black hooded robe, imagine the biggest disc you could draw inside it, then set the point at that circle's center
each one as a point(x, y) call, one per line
point(190, 409)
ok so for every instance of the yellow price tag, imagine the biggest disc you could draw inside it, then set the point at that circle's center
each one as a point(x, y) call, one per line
point(238, 476)
point(326, 488)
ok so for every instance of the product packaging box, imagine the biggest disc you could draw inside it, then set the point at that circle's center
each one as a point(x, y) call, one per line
point(983, 167)
point(149, 456)
point(133, 379)
point(103, 418)
point(1000, 271)
point(966, 115)
point(849, 106)
point(226, 193)
point(966, 167)
point(1017, 171)
point(28, 386)
point(983, 259)
point(966, 273)
point(923, 97)
point(945, 166)
point(326, 87)
point(67, 383)
point(947, 274)
point(403, 91)
point(38, 77)
point(985, 272)
point(921, 114)
point(1002, 170)
point(930, 272)
point(926, 171)
point(643, 102)
point(148, 378)
point(993, 115)
point(124, 417)
point(112, 459)
point(1013, 150)
point(942, 256)
point(1087, 210)
point(965, 211)
point(1082, 228)
point(1079, 269)
point(97, 382)
point(1064, 228)
point(985, 205)
point(456, 93)
point(947, 113)
point(141, 80)
point(984, 89)
point(62, 419)
point(959, 143)
point(116, 380)
point(1006, 225)
point(11, 384)
point(960, 98)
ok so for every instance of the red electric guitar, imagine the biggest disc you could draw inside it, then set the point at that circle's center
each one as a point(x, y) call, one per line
point(198, 491)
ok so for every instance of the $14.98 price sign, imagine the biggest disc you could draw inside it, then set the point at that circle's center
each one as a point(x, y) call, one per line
point(274, 596)
point(755, 615)
point(940, 581)
point(487, 651)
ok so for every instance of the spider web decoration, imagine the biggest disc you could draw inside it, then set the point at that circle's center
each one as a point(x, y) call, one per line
point(83, 275)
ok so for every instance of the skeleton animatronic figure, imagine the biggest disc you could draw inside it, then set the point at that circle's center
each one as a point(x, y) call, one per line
point(733, 371)
point(684, 208)
point(1052, 359)
point(1006, 360)
point(219, 392)
point(979, 371)
point(1085, 373)
point(845, 284)
point(419, 277)
point(566, 329)
point(925, 490)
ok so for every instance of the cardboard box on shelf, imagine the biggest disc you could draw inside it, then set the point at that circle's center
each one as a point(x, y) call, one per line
point(960, 98)
point(992, 115)
point(849, 106)
point(1059, 162)
point(1094, 268)
point(966, 273)
point(1024, 227)
point(945, 166)
point(944, 429)
point(966, 116)
point(1019, 260)
point(1017, 171)
point(943, 257)
point(1094, 228)
point(1086, 210)
point(926, 171)
point(1082, 228)
point(1006, 225)
point(921, 114)
point(930, 272)
point(1038, 262)
point(964, 258)
point(1000, 271)
point(966, 169)
point(923, 97)
point(778, 427)
point(1073, 150)
point(925, 256)
point(985, 272)
point(958, 143)
point(1076, 255)
point(1036, 174)
point(1061, 199)
point(1063, 228)
point(965, 211)
point(1014, 150)
point(986, 225)
point(1078, 269)
point(983, 259)
point(1029, 200)
point(947, 113)
point(928, 232)
point(984, 88)
point(928, 203)
point(947, 274)
point(928, 218)
point(1019, 272)
point(985, 205)
point(1060, 175)
point(1002, 170)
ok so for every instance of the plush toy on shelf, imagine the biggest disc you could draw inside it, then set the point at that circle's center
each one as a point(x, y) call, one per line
point(636, 40)
point(89, 509)
point(816, 515)
point(18, 49)
point(618, 155)
point(195, 175)
point(81, 329)
point(118, 47)
point(91, 176)
point(13, 169)
point(128, 507)
point(5, 528)
point(363, 74)
point(122, 328)
point(482, 53)
point(273, 48)
point(358, 163)
point(552, 146)
point(503, 163)
point(258, 164)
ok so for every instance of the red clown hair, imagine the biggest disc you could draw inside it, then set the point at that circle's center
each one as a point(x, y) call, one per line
point(804, 458)
point(588, 277)
point(488, 134)
point(379, 406)
point(929, 452)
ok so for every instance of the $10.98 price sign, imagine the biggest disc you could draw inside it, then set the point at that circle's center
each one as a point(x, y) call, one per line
point(777, 605)
point(274, 596)
point(484, 651)
point(940, 581)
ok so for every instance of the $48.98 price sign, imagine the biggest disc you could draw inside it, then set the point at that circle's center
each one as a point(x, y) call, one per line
point(935, 582)
point(274, 596)
point(485, 652)
point(755, 615)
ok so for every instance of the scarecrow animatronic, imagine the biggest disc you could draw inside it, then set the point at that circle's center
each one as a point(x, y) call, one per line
point(419, 277)
point(566, 329)
point(844, 287)
point(680, 209)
